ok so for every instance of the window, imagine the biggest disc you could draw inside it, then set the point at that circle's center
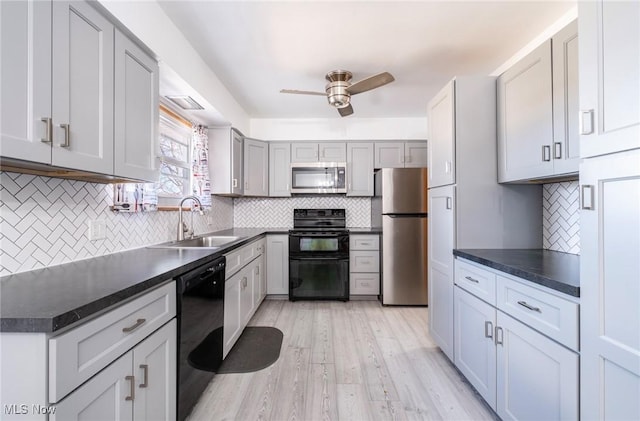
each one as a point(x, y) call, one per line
point(175, 150)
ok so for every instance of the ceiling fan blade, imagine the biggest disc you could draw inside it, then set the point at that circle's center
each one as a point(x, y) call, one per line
point(348, 110)
point(371, 82)
point(295, 91)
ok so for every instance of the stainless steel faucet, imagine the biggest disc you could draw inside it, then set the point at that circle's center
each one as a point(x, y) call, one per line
point(182, 227)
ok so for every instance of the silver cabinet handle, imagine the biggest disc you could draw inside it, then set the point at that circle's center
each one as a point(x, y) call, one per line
point(234, 183)
point(48, 132)
point(133, 327)
point(244, 282)
point(407, 158)
point(66, 143)
point(488, 329)
point(586, 122)
point(449, 203)
point(471, 279)
point(586, 197)
point(246, 185)
point(145, 376)
point(447, 167)
point(546, 153)
point(257, 270)
point(132, 388)
point(499, 337)
point(529, 306)
point(557, 150)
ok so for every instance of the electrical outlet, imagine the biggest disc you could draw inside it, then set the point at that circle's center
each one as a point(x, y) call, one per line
point(97, 230)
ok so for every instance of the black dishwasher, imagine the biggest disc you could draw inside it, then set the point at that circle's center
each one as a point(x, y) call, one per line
point(200, 309)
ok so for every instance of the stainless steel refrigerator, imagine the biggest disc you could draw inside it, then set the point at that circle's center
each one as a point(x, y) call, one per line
point(399, 207)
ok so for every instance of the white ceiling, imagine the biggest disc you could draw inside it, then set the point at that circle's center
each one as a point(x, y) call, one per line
point(257, 48)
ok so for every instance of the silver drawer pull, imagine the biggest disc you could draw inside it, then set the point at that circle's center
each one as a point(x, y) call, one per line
point(145, 377)
point(136, 325)
point(469, 278)
point(546, 153)
point(66, 129)
point(488, 329)
point(499, 337)
point(529, 307)
point(48, 132)
point(132, 390)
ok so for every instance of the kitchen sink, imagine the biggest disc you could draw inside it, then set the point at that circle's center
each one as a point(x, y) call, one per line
point(208, 241)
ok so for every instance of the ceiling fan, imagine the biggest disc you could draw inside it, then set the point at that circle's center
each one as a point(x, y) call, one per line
point(339, 89)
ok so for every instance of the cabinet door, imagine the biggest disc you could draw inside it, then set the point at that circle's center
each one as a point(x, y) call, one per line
point(360, 167)
point(106, 396)
point(441, 119)
point(155, 371)
point(475, 352)
point(279, 169)
point(332, 152)
point(610, 286)
point(82, 88)
point(278, 264)
point(256, 168)
point(232, 321)
point(389, 155)
point(247, 286)
point(537, 378)
point(525, 118)
point(609, 76)
point(25, 79)
point(415, 155)
point(237, 149)
point(304, 152)
point(136, 111)
point(566, 135)
point(440, 251)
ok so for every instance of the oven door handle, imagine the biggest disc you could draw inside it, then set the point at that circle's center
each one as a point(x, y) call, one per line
point(342, 257)
point(319, 234)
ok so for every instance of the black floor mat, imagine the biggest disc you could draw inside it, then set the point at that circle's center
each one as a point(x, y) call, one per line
point(257, 348)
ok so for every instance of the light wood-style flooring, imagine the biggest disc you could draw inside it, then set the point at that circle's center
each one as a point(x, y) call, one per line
point(345, 361)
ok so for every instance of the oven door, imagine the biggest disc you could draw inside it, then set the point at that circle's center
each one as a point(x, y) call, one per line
point(319, 278)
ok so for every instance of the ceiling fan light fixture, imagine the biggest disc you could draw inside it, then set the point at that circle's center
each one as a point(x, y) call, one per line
point(337, 94)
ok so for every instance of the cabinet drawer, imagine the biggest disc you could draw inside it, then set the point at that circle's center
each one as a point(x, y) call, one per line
point(240, 257)
point(364, 283)
point(233, 262)
point(364, 261)
point(80, 353)
point(476, 280)
point(364, 242)
point(549, 314)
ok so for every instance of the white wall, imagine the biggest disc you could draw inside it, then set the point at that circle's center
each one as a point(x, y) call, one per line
point(563, 21)
point(348, 128)
point(147, 21)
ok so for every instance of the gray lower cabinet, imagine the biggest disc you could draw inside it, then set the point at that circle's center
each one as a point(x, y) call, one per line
point(278, 264)
point(364, 264)
point(520, 373)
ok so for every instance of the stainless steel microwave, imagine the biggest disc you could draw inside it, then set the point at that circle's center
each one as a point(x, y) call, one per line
point(318, 177)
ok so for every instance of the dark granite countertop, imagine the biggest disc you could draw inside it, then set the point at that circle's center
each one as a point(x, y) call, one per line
point(552, 269)
point(53, 298)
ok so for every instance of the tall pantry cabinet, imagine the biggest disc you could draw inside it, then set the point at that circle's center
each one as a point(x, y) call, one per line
point(610, 209)
point(467, 207)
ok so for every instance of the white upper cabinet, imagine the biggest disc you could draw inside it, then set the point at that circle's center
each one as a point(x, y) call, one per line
point(318, 152)
point(360, 169)
point(60, 73)
point(441, 115)
point(136, 111)
point(566, 134)
point(226, 146)
point(400, 154)
point(537, 112)
point(256, 168)
point(25, 79)
point(609, 76)
point(279, 169)
point(525, 117)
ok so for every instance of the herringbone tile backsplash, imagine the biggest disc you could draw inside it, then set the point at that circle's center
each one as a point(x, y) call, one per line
point(44, 222)
point(278, 211)
point(561, 217)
